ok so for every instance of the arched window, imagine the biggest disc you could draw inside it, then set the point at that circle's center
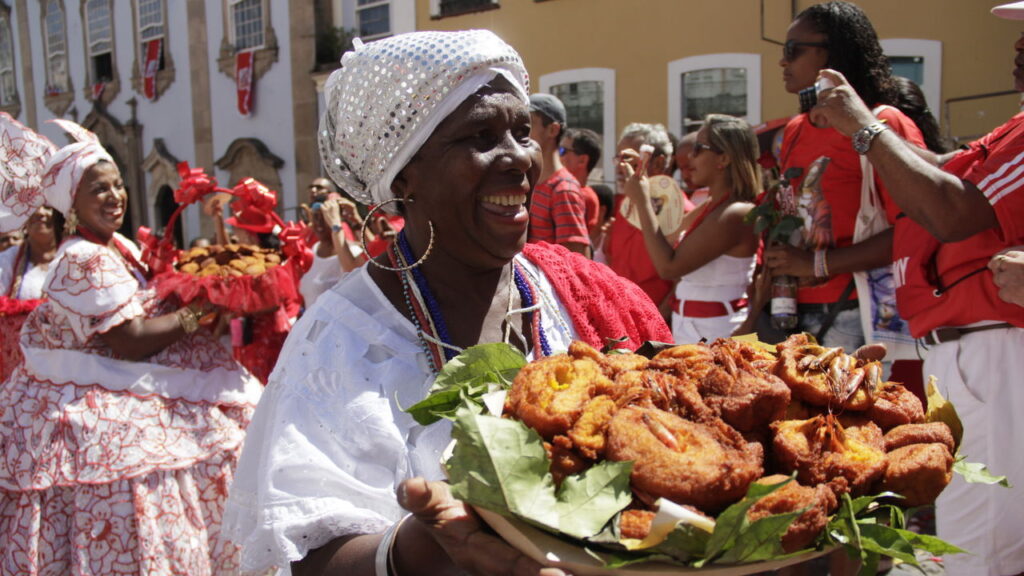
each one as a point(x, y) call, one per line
point(9, 101)
point(589, 98)
point(247, 28)
point(153, 70)
point(56, 49)
point(58, 95)
point(101, 67)
point(713, 83)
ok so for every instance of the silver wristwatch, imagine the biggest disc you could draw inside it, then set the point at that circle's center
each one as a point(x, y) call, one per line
point(862, 138)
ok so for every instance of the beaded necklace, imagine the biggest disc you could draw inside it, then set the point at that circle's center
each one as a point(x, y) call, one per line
point(426, 312)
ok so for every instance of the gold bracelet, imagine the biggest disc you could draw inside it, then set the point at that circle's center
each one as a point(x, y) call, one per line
point(188, 319)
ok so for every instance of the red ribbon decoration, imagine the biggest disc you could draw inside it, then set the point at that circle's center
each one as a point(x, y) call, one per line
point(294, 247)
point(194, 184)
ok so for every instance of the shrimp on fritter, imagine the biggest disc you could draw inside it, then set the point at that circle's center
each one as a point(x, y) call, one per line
point(705, 465)
point(821, 449)
point(663, 390)
point(826, 376)
point(611, 364)
point(692, 361)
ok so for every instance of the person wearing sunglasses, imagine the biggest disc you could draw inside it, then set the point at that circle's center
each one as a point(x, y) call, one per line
point(714, 260)
point(835, 35)
point(336, 251)
point(956, 249)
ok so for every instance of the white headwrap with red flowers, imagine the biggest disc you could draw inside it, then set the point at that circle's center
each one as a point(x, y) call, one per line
point(33, 172)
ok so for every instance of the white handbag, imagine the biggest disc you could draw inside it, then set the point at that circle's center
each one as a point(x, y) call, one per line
point(876, 289)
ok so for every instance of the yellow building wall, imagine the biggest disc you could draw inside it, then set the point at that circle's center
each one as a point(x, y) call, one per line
point(638, 38)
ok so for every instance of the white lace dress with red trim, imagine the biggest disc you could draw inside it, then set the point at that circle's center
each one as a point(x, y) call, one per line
point(109, 466)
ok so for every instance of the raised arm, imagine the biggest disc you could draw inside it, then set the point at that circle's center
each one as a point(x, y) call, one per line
point(951, 209)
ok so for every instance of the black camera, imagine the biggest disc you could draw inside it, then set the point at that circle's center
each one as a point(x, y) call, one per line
point(809, 96)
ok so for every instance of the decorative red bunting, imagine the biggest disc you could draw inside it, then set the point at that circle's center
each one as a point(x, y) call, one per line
point(243, 80)
point(152, 65)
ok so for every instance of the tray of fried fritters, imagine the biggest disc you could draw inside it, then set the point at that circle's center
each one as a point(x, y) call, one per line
point(702, 422)
point(239, 278)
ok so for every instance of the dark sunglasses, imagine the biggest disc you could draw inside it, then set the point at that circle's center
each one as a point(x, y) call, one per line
point(699, 147)
point(789, 49)
point(562, 151)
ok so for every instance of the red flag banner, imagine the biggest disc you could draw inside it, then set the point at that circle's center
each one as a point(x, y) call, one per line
point(243, 81)
point(153, 49)
point(97, 90)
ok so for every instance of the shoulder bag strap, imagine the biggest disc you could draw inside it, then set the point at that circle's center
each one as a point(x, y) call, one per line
point(834, 311)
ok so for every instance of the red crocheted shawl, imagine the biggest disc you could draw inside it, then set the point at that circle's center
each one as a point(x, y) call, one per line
point(602, 305)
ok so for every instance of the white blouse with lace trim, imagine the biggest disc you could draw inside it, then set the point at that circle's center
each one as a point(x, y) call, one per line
point(329, 442)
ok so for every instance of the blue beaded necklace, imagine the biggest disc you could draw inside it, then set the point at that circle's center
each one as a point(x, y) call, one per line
point(426, 312)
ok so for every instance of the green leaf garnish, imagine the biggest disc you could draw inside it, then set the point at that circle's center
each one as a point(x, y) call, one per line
point(501, 465)
point(977, 473)
point(466, 378)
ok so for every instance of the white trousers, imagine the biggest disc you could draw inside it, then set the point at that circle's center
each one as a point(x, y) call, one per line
point(982, 374)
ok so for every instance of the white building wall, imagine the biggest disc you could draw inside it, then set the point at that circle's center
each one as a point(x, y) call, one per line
point(271, 120)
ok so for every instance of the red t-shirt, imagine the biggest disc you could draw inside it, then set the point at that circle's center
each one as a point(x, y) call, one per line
point(830, 207)
point(593, 206)
point(949, 284)
point(558, 211)
point(626, 253)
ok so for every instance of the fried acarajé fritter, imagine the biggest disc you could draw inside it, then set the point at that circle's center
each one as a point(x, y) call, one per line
point(588, 432)
point(823, 451)
point(918, 472)
point(733, 378)
point(706, 465)
point(895, 405)
point(664, 390)
point(549, 394)
point(611, 364)
point(923, 433)
point(564, 460)
point(692, 361)
point(826, 376)
point(746, 397)
point(819, 501)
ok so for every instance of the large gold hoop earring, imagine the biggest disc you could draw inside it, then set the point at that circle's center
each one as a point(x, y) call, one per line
point(71, 223)
point(362, 239)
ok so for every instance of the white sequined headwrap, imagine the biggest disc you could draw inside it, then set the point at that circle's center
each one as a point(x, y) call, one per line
point(33, 172)
point(389, 96)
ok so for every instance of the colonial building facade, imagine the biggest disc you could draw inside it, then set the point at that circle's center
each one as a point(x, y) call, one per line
point(234, 86)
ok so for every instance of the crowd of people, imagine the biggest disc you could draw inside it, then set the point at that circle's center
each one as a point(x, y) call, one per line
point(148, 433)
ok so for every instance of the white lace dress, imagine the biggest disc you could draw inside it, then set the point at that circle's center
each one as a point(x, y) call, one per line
point(109, 466)
point(329, 443)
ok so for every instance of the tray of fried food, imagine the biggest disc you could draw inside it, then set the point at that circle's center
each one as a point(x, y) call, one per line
point(228, 260)
point(703, 422)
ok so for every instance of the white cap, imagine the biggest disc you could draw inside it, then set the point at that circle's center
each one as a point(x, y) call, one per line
point(1011, 11)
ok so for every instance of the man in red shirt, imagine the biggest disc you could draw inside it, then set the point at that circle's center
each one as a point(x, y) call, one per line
point(557, 208)
point(580, 152)
point(953, 221)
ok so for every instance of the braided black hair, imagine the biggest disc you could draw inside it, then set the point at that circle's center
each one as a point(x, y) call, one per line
point(853, 49)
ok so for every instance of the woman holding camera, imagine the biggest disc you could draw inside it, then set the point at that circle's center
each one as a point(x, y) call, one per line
point(836, 35)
